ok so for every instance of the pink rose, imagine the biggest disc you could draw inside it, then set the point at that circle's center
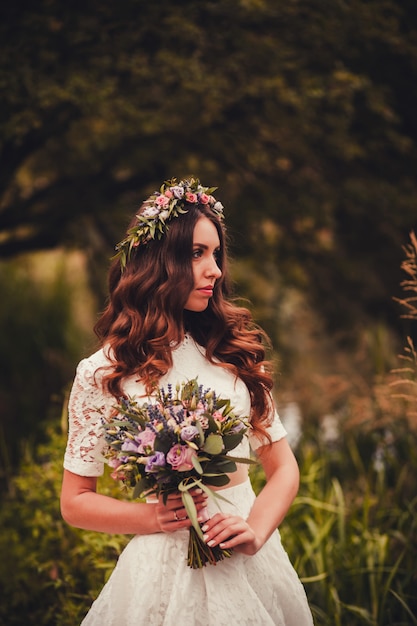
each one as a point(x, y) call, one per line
point(162, 201)
point(168, 193)
point(191, 197)
point(204, 198)
point(117, 475)
point(145, 441)
point(180, 458)
point(114, 463)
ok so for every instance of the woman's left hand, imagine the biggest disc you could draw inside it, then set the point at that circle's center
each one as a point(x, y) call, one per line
point(231, 531)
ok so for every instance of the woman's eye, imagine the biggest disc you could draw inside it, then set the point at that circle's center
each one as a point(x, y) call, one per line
point(197, 253)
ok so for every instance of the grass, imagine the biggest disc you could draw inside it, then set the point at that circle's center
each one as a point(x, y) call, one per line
point(352, 532)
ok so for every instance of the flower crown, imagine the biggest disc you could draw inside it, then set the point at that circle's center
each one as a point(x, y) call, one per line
point(160, 208)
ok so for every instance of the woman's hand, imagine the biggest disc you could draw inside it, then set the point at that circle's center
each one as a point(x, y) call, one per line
point(172, 516)
point(231, 531)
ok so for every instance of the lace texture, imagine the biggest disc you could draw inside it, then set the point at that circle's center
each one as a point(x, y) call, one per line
point(153, 586)
point(86, 408)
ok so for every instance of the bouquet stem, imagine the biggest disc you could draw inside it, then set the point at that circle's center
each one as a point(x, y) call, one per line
point(199, 553)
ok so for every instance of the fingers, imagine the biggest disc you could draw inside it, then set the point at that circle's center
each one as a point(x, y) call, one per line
point(172, 515)
point(230, 531)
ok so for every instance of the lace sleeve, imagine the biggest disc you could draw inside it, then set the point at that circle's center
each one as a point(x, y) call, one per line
point(276, 431)
point(87, 406)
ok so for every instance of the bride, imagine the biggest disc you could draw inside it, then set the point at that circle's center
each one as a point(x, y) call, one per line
point(169, 319)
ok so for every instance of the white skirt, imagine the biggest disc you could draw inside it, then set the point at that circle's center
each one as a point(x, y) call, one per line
point(152, 584)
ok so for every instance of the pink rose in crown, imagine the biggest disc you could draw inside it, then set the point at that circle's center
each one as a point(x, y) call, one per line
point(191, 197)
point(180, 458)
point(203, 198)
point(162, 201)
point(168, 193)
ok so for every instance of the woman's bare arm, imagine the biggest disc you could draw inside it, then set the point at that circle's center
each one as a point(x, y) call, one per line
point(269, 508)
point(83, 507)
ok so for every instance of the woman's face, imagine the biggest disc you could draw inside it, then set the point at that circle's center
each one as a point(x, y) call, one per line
point(206, 251)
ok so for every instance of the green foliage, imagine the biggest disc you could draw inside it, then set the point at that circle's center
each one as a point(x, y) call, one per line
point(49, 572)
point(38, 344)
point(351, 534)
point(352, 530)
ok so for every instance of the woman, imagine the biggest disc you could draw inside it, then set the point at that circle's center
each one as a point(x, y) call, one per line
point(168, 320)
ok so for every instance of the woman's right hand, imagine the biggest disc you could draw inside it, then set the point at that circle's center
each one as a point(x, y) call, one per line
point(173, 516)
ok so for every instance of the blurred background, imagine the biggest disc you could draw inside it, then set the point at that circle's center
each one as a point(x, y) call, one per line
point(303, 113)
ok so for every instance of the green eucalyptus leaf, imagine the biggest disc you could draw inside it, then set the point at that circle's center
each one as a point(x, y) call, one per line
point(232, 440)
point(226, 466)
point(213, 444)
point(188, 502)
point(197, 465)
point(242, 459)
point(189, 483)
point(162, 444)
point(141, 487)
point(200, 433)
point(212, 426)
point(218, 480)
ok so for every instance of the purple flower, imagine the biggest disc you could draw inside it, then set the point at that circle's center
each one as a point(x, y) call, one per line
point(129, 446)
point(150, 211)
point(178, 191)
point(155, 461)
point(188, 433)
point(237, 427)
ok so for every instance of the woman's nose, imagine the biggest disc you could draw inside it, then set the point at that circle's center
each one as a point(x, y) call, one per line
point(214, 270)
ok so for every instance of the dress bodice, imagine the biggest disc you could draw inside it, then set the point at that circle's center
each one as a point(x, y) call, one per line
point(89, 404)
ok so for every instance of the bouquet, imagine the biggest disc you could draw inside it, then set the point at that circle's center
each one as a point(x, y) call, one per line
point(179, 442)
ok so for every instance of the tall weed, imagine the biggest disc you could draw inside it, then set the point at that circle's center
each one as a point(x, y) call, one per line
point(352, 531)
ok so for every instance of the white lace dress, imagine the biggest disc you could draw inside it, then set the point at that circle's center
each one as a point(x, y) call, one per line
point(152, 584)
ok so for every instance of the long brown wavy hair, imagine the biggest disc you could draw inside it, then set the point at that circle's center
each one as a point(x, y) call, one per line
point(145, 315)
